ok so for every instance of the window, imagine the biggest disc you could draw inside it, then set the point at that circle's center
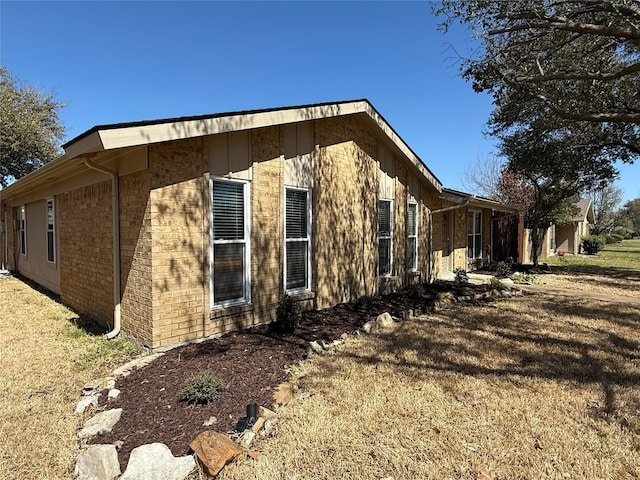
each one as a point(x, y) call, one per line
point(297, 239)
point(474, 235)
point(230, 280)
point(385, 229)
point(412, 236)
point(23, 230)
point(51, 232)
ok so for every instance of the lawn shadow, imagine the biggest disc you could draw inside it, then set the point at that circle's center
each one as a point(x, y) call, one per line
point(87, 324)
point(618, 277)
point(499, 342)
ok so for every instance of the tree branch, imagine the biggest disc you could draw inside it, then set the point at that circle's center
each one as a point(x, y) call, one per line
point(631, 69)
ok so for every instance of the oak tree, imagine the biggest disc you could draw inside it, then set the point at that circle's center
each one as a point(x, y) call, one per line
point(30, 128)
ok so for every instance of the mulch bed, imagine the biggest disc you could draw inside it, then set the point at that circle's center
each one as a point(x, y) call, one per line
point(251, 362)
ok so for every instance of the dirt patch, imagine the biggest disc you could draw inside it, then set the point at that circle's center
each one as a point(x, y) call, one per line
point(251, 362)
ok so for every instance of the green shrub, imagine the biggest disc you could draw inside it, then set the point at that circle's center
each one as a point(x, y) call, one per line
point(503, 269)
point(287, 315)
point(592, 244)
point(613, 238)
point(623, 233)
point(201, 388)
point(461, 276)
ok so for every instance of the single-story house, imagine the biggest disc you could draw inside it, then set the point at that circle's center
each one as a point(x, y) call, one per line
point(569, 236)
point(471, 231)
point(566, 237)
point(176, 229)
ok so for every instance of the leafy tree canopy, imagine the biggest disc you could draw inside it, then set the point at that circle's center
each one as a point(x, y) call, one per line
point(566, 67)
point(30, 129)
point(631, 213)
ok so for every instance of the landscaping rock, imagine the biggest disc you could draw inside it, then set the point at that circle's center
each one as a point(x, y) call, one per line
point(214, 451)
point(100, 423)
point(87, 403)
point(384, 320)
point(266, 413)
point(113, 394)
point(125, 369)
point(369, 327)
point(98, 462)
point(316, 347)
point(156, 462)
point(258, 425)
point(246, 438)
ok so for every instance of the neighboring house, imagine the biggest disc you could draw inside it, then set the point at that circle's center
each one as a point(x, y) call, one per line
point(177, 229)
point(470, 231)
point(569, 236)
point(565, 238)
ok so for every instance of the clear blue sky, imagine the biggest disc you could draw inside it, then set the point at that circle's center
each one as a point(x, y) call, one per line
point(114, 62)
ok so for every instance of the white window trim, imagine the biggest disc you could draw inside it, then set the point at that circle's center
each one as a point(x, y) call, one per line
point(413, 268)
point(308, 240)
point(247, 252)
point(22, 224)
point(385, 237)
point(53, 229)
point(474, 234)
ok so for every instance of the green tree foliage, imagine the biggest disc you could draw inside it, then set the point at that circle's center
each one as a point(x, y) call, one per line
point(568, 68)
point(545, 177)
point(631, 214)
point(30, 129)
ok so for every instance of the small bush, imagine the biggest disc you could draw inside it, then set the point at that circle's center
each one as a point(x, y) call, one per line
point(613, 238)
point(623, 233)
point(461, 276)
point(287, 315)
point(503, 269)
point(592, 244)
point(201, 388)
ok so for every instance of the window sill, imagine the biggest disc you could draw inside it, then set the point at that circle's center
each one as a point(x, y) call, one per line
point(302, 296)
point(221, 312)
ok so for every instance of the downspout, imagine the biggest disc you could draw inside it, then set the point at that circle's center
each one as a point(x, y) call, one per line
point(116, 244)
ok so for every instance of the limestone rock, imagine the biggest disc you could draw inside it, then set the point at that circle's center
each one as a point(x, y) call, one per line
point(100, 423)
point(87, 403)
point(214, 451)
point(113, 394)
point(156, 462)
point(125, 369)
point(246, 438)
point(369, 327)
point(266, 413)
point(258, 425)
point(384, 320)
point(98, 462)
point(316, 347)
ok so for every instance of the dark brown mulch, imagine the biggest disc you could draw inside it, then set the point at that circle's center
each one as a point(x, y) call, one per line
point(252, 364)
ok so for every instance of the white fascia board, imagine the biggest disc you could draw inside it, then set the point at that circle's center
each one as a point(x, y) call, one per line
point(89, 144)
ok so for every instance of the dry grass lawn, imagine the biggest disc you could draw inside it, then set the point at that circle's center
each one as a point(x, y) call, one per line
point(45, 360)
point(519, 389)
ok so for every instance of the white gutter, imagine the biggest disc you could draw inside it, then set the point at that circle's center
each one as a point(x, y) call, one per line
point(116, 244)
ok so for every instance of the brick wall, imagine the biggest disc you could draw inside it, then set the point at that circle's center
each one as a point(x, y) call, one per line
point(178, 240)
point(135, 257)
point(345, 206)
point(86, 250)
